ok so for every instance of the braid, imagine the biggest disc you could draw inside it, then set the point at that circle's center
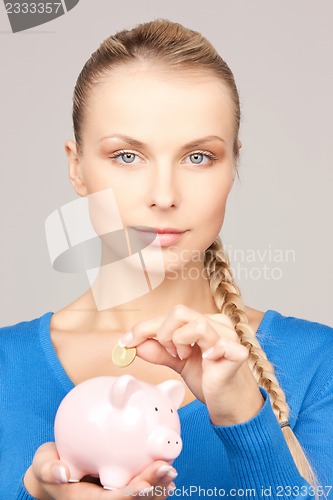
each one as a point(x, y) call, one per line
point(228, 300)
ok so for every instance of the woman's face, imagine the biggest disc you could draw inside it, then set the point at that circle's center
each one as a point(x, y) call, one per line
point(164, 143)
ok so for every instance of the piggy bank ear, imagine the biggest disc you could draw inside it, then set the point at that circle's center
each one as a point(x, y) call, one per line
point(174, 390)
point(122, 389)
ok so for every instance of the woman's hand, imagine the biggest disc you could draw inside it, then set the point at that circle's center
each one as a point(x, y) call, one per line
point(205, 350)
point(47, 478)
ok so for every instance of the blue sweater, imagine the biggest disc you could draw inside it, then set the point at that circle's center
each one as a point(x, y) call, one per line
point(244, 460)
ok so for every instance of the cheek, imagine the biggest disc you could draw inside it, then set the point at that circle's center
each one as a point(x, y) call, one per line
point(104, 211)
point(211, 211)
point(212, 221)
point(120, 188)
point(212, 201)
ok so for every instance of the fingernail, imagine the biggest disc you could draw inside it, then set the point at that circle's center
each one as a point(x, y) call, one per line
point(172, 474)
point(166, 470)
point(125, 339)
point(179, 355)
point(59, 473)
point(171, 489)
point(146, 491)
point(163, 470)
point(171, 352)
point(207, 354)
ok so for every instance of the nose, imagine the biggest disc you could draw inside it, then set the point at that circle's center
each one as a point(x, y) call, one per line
point(172, 447)
point(163, 189)
point(165, 444)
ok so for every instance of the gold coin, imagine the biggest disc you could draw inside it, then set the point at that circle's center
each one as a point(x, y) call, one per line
point(123, 356)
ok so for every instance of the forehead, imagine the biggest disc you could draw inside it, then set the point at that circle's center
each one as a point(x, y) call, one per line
point(147, 103)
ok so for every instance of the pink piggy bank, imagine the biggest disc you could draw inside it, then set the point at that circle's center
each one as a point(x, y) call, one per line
point(113, 427)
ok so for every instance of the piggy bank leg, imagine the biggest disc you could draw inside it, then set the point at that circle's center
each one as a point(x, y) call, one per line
point(114, 477)
point(75, 474)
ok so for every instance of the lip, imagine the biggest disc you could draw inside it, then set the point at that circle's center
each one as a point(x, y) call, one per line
point(158, 230)
point(161, 237)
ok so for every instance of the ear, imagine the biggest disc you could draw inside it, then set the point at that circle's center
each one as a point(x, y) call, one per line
point(175, 390)
point(74, 168)
point(122, 389)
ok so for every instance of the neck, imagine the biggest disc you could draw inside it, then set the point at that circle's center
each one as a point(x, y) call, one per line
point(103, 306)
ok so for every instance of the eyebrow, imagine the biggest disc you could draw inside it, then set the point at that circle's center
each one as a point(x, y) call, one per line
point(138, 144)
point(203, 140)
point(124, 138)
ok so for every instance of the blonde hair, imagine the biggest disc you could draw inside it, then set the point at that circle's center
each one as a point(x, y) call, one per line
point(161, 43)
point(228, 299)
point(169, 44)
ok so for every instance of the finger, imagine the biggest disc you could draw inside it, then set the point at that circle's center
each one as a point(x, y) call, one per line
point(156, 472)
point(41, 479)
point(179, 316)
point(140, 332)
point(200, 332)
point(155, 353)
point(157, 475)
point(231, 351)
point(164, 475)
point(172, 329)
point(47, 467)
point(223, 325)
point(223, 319)
point(182, 315)
point(197, 332)
point(160, 327)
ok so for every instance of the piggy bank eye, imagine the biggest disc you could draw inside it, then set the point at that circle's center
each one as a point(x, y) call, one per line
point(171, 410)
point(156, 409)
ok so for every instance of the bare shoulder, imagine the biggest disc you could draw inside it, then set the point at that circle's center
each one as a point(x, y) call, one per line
point(254, 317)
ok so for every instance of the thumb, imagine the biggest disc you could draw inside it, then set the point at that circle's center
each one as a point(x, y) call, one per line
point(46, 466)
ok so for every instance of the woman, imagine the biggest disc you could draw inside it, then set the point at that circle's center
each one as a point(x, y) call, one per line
point(156, 118)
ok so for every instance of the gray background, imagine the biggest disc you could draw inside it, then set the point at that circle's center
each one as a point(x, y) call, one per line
point(281, 55)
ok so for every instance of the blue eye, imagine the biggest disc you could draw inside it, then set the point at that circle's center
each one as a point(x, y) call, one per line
point(197, 158)
point(200, 158)
point(125, 157)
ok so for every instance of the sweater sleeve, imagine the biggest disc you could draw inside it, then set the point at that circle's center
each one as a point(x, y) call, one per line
point(314, 430)
point(22, 493)
point(260, 458)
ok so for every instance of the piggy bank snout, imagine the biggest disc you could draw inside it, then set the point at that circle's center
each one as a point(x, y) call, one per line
point(164, 444)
